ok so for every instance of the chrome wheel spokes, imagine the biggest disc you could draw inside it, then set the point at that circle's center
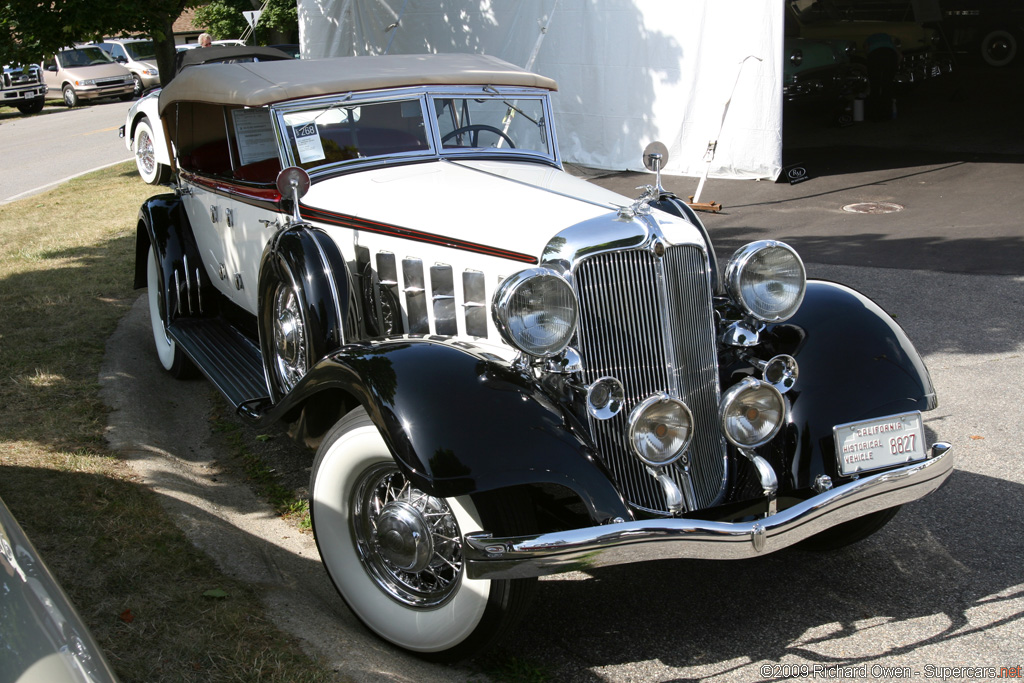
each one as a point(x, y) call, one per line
point(290, 353)
point(408, 541)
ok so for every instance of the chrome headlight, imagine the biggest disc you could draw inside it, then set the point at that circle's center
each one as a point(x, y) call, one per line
point(660, 430)
point(535, 311)
point(767, 279)
point(752, 412)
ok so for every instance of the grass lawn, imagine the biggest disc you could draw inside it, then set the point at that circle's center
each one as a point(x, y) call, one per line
point(66, 260)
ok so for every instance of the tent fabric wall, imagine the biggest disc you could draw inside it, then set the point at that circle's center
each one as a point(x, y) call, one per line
point(686, 72)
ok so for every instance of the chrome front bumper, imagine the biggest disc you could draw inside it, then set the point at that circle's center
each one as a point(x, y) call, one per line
point(580, 549)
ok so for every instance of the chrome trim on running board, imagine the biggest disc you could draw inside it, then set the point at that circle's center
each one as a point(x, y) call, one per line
point(581, 549)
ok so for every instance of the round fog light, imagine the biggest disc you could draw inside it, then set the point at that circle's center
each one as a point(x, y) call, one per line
point(752, 413)
point(605, 397)
point(660, 430)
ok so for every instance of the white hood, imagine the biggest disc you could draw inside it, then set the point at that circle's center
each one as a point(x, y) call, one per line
point(512, 206)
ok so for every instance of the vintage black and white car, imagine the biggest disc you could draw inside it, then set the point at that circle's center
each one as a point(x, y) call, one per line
point(506, 371)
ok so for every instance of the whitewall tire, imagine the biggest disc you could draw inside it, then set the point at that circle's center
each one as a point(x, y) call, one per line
point(394, 552)
point(151, 170)
point(172, 359)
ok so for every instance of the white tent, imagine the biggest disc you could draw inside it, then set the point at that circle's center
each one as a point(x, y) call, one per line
point(690, 73)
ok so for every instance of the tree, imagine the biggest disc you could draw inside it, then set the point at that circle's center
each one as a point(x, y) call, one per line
point(224, 19)
point(32, 29)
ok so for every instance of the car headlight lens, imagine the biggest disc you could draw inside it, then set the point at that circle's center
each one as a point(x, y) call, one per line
point(535, 311)
point(767, 279)
point(90, 81)
point(752, 413)
point(660, 430)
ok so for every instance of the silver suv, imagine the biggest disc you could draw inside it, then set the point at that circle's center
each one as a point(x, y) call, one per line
point(139, 57)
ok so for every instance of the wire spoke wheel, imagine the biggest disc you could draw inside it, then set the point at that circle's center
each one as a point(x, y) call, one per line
point(408, 541)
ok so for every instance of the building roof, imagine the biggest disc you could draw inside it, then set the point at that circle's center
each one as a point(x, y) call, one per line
point(256, 84)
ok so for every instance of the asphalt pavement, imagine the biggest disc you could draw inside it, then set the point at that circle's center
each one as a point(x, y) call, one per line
point(940, 587)
point(44, 150)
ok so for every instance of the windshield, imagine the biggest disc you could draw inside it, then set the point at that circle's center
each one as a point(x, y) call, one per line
point(141, 50)
point(493, 122)
point(343, 132)
point(83, 56)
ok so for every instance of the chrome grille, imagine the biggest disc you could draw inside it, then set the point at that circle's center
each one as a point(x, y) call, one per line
point(648, 321)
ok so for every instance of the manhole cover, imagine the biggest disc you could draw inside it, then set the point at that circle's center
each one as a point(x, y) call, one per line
point(873, 207)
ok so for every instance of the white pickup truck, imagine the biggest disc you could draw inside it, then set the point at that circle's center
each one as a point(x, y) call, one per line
point(23, 87)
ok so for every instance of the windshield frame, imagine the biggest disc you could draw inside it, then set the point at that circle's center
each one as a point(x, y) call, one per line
point(435, 151)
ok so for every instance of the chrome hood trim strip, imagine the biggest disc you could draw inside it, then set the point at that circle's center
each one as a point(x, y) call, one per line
point(611, 544)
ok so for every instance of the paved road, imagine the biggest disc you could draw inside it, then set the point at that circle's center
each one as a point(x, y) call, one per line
point(58, 144)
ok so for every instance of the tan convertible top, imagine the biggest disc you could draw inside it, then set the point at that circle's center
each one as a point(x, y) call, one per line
point(254, 84)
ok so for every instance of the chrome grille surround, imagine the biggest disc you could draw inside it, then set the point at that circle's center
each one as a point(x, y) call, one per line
point(648, 321)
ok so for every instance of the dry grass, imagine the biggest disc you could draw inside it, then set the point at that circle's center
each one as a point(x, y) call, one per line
point(65, 280)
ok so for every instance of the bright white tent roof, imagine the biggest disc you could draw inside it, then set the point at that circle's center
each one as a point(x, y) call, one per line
point(686, 72)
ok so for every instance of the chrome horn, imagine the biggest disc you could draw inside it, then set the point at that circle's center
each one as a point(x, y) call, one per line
point(780, 371)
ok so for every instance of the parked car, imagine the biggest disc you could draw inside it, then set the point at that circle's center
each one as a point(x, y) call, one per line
point(917, 49)
point(42, 638)
point(823, 70)
point(507, 371)
point(138, 56)
point(23, 87)
point(142, 133)
point(988, 30)
point(87, 73)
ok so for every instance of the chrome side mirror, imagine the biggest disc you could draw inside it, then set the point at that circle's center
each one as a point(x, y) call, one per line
point(655, 158)
point(293, 182)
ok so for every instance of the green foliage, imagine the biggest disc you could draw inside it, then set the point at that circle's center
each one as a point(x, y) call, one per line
point(223, 19)
point(30, 31)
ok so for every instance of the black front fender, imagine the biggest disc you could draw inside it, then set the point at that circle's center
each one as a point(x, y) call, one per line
point(856, 363)
point(458, 422)
point(308, 260)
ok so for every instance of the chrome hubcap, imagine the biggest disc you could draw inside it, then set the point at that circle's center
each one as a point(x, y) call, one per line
point(409, 542)
point(144, 152)
point(289, 337)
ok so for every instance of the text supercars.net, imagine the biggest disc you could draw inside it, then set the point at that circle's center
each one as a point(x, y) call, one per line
point(878, 671)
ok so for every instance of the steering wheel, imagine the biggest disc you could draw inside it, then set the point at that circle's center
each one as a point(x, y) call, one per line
point(475, 129)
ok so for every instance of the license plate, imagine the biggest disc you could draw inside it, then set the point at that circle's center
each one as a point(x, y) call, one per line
point(878, 443)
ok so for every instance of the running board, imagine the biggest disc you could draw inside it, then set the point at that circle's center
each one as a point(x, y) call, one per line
point(228, 359)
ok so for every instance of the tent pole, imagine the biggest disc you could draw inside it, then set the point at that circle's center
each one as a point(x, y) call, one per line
point(709, 155)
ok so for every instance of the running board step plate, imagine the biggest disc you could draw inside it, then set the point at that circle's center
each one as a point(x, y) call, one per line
point(228, 359)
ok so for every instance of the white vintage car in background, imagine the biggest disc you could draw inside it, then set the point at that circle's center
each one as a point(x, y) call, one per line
point(506, 371)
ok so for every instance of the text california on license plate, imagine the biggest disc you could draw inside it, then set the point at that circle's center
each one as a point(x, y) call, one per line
point(881, 442)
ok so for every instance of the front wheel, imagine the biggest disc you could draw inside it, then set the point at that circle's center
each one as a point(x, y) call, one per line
point(394, 552)
point(32, 106)
point(998, 47)
point(171, 357)
point(70, 96)
point(151, 170)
